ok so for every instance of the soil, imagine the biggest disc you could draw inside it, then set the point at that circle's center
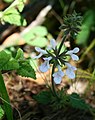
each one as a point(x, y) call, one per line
point(21, 91)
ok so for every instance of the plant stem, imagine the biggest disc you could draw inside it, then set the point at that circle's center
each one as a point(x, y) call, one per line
point(53, 84)
point(63, 39)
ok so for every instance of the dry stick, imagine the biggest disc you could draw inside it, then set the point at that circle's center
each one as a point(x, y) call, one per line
point(39, 19)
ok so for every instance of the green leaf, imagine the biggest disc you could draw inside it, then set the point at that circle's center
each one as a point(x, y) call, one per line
point(1, 113)
point(12, 16)
point(11, 65)
point(7, 62)
point(26, 70)
point(4, 58)
point(39, 41)
point(77, 102)
point(88, 22)
point(19, 54)
point(36, 36)
point(6, 105)
point(44, 97)
point(40, 31)
point(8, 1)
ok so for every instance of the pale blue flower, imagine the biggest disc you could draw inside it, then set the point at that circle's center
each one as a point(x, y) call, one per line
point(58, 75)
point(70, 71)
point(52, 45)
point(45, 66)
point(72, 53)
point(41, 51)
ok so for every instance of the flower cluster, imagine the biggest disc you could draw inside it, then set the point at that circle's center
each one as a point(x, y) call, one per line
point(58, 59)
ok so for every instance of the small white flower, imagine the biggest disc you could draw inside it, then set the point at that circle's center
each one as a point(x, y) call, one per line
point(70, 71)
point(58, 75)
point(45, 66)
point(41, 51)
point(72, 53)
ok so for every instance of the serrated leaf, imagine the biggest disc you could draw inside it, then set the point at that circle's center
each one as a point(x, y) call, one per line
point(20, 54)
point(10, 65)
point(12, 16)
point(26, 70)
point(1, 113)
point(4, 58)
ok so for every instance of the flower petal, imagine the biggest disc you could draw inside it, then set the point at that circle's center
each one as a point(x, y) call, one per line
point(70, 74)
point(57, 80)
point(69, 52)
point(74, 57)
point(38, 56)
point(76, 50)
point(47, 59)
point(44, 67)
point(53, 43)
point(38, 49)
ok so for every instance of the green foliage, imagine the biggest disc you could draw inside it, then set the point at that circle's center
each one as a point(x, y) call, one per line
point(63, 100)
point(23, 68)
point(8, 1)
point(36, 36)
point(44, 97)
point(12, 14)
point(19, 63)
point(6, 103)
point(77, 102)
point(7, 62)
point(71, 24)
point(26, 70)
point(88, 23)
point(1, 113)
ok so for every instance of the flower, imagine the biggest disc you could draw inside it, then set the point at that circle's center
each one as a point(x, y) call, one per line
point(58, 75)
point(71, 53)
point(52, 45)
point(70, 71)
point(41, 51)
point(45, 66)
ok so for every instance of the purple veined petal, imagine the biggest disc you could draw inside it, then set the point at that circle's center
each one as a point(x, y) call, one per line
point(53, 43)
point(74, 57)
point(38, 49)
point(38, 56)
point(70, 74)
point(76, 50)
point(44, 67)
